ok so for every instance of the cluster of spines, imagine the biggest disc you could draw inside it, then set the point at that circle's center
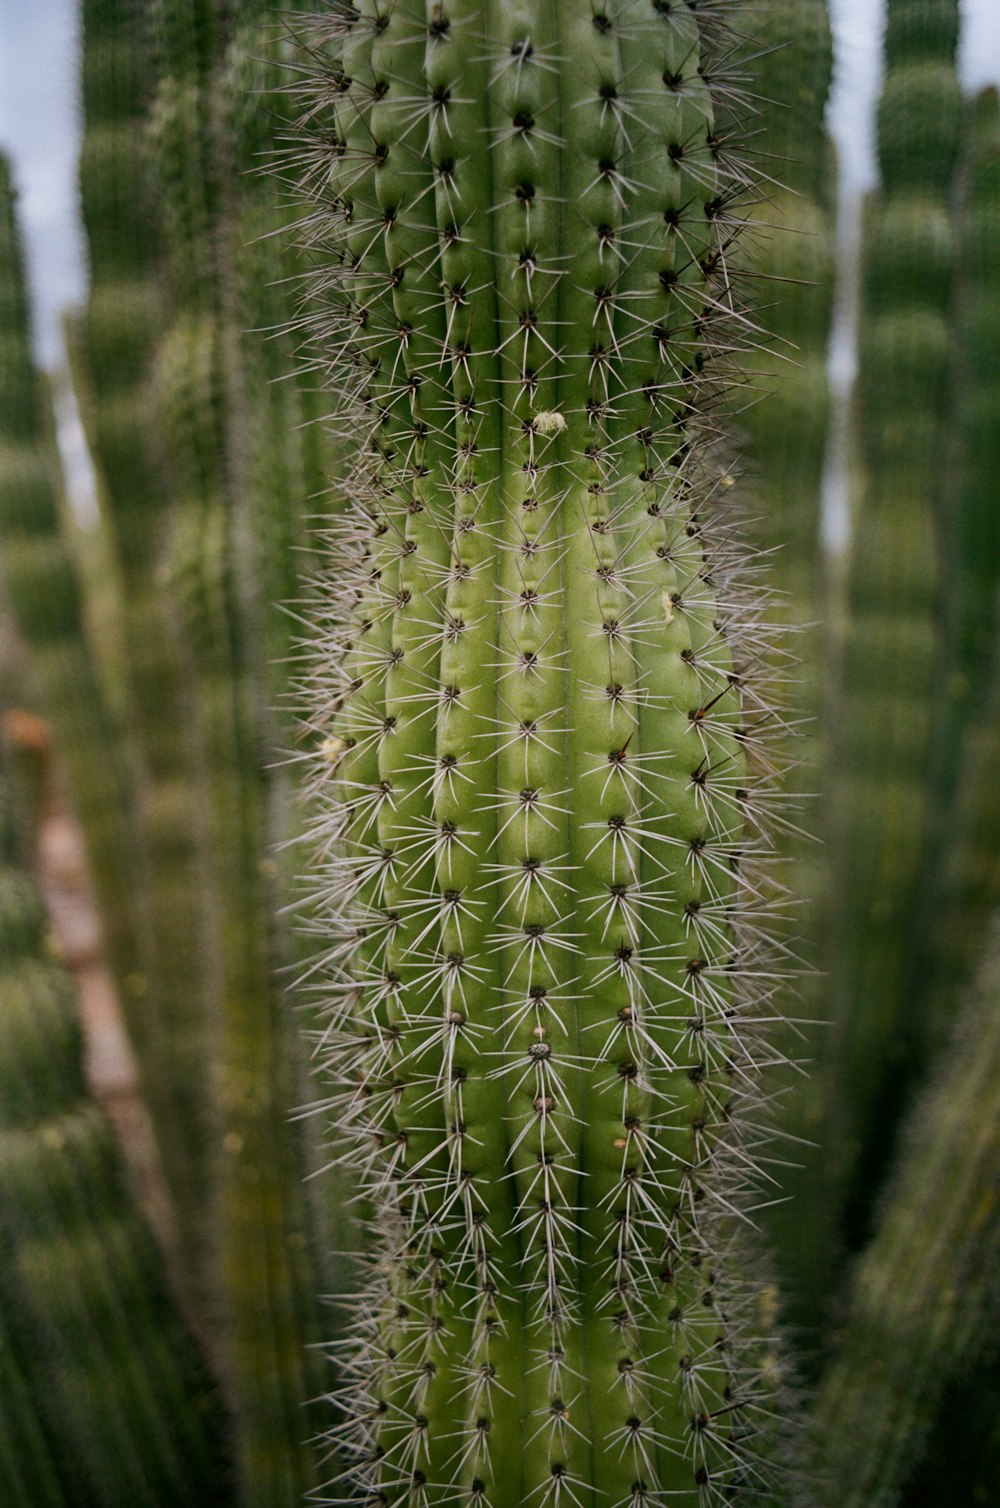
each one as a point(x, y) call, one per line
point(542, 764)
point(104, 1400)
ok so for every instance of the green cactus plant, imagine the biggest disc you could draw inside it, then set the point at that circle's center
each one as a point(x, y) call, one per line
point(44, 594)
point(971, 525)
point(889, 655)
point(264, 1249)
point(783, 442)
point(113, 343)
point(105, 1399)
point(959, 889)
point(925, 1295)
point(538, 779)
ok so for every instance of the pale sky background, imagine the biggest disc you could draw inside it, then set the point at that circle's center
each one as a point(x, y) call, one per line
point(38, 127)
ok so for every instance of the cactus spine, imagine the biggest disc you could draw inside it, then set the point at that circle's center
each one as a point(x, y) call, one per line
point(887, 679)
point(537, 801)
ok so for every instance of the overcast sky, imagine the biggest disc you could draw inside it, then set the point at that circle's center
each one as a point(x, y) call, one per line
point(38, 123)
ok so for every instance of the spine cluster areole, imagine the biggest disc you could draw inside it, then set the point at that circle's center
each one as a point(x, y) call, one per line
point(542, 756)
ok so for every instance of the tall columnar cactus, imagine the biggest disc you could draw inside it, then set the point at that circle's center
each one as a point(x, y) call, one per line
point(538, 794)
point(791, 256)
point(890, 650)
point(259, 1206)
point(114, 348)
point(44, 595)
point(104, 1399)
point(959, 884)
point(783, 417)
point(926, 1293)
point(972, 522)
point(281, 450)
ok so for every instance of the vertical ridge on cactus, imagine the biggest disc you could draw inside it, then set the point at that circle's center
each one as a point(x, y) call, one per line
point(542, 763)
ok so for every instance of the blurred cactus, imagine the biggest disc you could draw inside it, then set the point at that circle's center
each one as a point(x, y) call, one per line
point(972, 518)
point(105, 1401)
point(784, 423)
point(44, 594)
point(885, 696)
point(926, 1293)
point(113, 346)
point(264, 1256)
point(960, 888)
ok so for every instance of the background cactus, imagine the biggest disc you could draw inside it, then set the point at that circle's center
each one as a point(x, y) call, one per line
point(113, 348)
point(925, 1295)
point(104, 1395)
point(889, 664)
point(959, 890)
point(264, 1257)
point(539, 803)
point(782, 416)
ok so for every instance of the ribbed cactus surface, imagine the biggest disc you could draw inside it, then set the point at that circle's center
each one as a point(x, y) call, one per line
point(538, 802)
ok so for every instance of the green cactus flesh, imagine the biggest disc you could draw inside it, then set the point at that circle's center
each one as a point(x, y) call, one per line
point(538, 781)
